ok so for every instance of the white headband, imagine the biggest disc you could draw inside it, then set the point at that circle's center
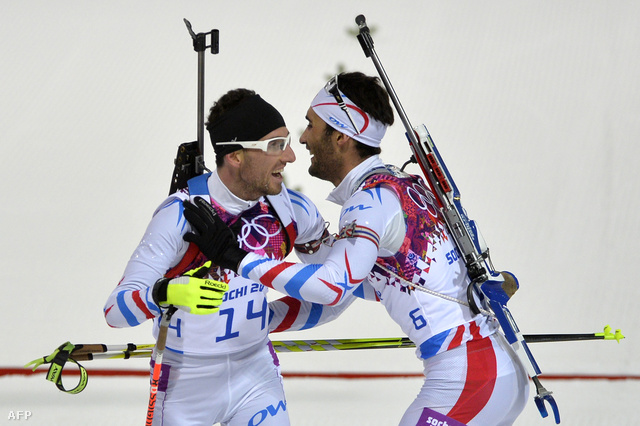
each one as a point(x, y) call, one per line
point(371, 130)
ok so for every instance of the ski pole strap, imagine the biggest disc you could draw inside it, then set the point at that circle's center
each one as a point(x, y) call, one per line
point(58, 359)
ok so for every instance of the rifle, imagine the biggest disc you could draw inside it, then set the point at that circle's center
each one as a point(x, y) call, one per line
point(492, 288)
point(189, 161)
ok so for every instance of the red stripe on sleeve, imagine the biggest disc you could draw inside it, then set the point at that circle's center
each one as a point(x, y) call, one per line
point(335, 288)
point(267, 279)
point(140, 304)
point(292, 313)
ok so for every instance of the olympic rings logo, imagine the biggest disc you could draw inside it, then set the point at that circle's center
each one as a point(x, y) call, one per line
point(253, 227)
point(422, 198)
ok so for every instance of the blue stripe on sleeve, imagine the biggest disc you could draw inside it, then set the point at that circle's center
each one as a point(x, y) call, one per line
point(298, 280)
point(301, 205)
point(181, 217)
point(298, 200)
point(124, 309)
point(150, 303)
point(374, 193)
point(251, 265)
point(314, 316)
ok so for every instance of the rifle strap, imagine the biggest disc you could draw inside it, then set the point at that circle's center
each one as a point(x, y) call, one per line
point(423, 289)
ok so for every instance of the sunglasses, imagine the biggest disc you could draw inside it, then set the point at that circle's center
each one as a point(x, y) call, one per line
point(273, 146)
point(332, 88)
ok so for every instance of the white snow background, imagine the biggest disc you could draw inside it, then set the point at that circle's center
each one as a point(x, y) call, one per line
point(534, 106)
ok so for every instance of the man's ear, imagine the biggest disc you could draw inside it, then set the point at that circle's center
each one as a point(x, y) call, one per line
point(235, 158)
point(342, 140)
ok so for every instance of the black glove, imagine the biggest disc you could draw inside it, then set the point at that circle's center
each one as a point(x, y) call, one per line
point(214, 238)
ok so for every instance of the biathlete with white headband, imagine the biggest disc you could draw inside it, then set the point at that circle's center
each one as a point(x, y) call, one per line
point(219, 365)
point(392, 235)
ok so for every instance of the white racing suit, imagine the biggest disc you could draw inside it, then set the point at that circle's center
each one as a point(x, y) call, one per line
point(220, 367)
point(392, 236)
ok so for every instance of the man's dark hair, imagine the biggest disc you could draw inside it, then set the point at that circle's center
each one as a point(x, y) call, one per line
point(225, 103)
point(369, 95)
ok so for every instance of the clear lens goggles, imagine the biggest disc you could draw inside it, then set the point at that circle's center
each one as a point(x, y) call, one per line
point(273, 146)
point(332, 88)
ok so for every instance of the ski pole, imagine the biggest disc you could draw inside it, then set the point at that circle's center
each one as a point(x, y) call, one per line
point(405, 342)
point(606, 335)
point(161, 341)
point(310, 345)
point(131, 350)
point(88, 352)
point(100, 348)
point(157, 368)
point(113, 355)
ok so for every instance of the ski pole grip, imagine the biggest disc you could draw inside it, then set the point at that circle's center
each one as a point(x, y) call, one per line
point(364, 37)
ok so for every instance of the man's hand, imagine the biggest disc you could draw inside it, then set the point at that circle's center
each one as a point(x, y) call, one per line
point(191, 292)
point(214, 238)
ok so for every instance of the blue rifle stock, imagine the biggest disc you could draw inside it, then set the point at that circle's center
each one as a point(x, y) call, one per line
point(488, 286)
